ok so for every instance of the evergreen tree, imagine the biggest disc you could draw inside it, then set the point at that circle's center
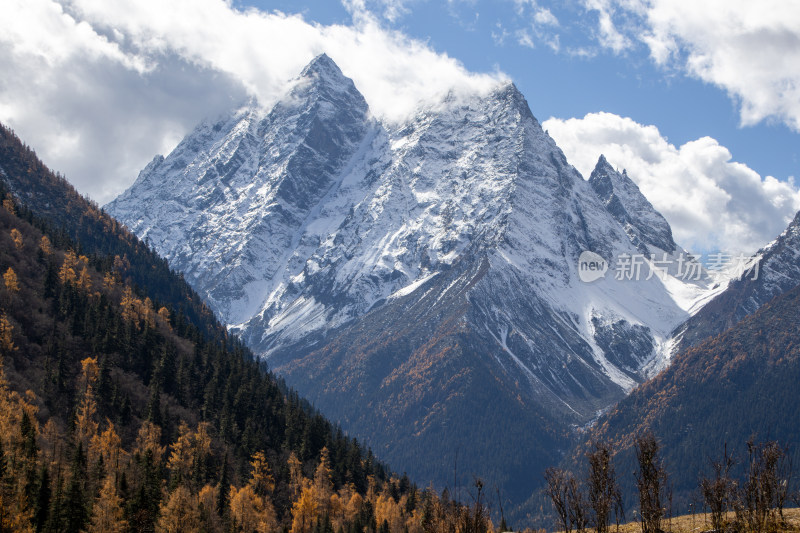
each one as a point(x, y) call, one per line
point(75, 506)
point(222, 498)
point(43, 496)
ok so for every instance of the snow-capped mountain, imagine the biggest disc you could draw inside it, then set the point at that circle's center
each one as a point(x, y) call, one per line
point(395, 271)
point(230, 204)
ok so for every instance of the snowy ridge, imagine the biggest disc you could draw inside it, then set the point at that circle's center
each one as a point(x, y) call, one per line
point(770, 272)
point(623, 199)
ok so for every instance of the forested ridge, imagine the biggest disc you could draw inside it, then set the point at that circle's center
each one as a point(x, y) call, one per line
point(125, 405)
point(59, 208)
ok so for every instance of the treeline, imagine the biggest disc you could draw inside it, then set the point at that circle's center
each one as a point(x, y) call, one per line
point(753, 502)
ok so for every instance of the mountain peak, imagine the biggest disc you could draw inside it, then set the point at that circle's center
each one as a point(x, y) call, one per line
point(322, 79)
point(509, 91)
point(795, 221)
point(324, 70)
point(322, 65)
point(623, 199)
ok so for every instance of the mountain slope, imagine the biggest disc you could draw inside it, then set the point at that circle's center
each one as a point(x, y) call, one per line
point(154, 371)
point(431, 272)
point(738, 385)
point(49, 197)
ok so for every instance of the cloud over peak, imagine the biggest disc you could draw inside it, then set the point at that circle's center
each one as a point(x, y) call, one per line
point(711, 202)
point(129, 79)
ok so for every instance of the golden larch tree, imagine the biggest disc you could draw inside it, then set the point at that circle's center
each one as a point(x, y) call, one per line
point(163, 313)
point(108, 445)
point(304, 510)
point(16, 412)
point(261, 485)
point(85, 423)
point(295, 475)
point(387, 509)
point(323, 485)
point(179, 513)
point(181, 455)
point(261, 477)
point(337, 507)
point(8, 204)
point(353, 507)
point(190, 449)
point(245, 509)
point(85, 280)
point(202, 441)
point(148, 440)
point(67, 273)
point(10, 279)
point(109, 281)
point(148, 313)
point(108, 515)
point(45, 246)
point(16, 236)
point(128, 306)
point(210, 521)
point(6, 335)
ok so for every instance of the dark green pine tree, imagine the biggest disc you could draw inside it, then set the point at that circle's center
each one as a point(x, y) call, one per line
point(143, 506)
point(30, 450)
point(222, 493)
point(56, 519)
point(76, 506)
point(3, 483)
point(154, 403)
point(42, 503)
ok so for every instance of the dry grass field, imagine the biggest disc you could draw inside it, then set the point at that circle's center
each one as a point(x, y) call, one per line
point(697, 523)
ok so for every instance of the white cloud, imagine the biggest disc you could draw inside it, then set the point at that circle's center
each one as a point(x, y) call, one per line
point(545, 17)
point(264, 50)
point(89, 107)
point(391, 10)
point(100, 86)
point(500, 34)
point(710, 201)
point(541, 25)
point(521, 5)
point(749, 49)
point(608, 34)
point(524, 38)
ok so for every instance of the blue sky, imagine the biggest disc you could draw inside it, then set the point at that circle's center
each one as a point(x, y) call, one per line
point(698, 99)
point(561, 84)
